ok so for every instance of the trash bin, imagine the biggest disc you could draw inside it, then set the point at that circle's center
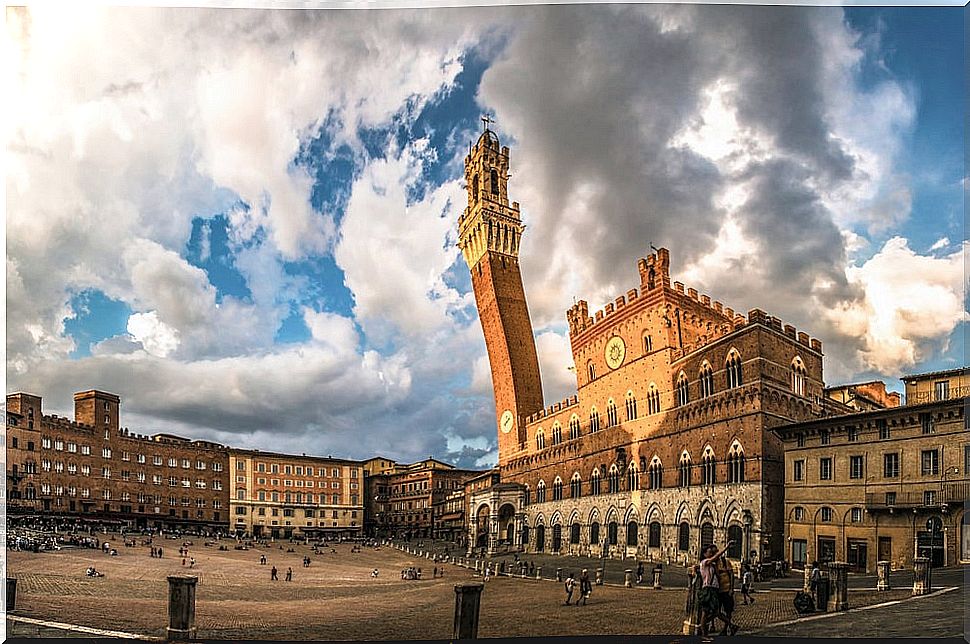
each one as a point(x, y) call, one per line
point(824, 590)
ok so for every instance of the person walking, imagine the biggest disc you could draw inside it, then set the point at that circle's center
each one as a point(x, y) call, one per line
point(639, 572)
point(585, 587)
point(747, 582)
point(273, 575)
point(289, 574)
point(191, 562)
point(725, 583)
point(569, 585)
point(813, 580)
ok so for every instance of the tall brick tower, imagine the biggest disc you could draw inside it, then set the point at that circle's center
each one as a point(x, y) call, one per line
point(489, 232)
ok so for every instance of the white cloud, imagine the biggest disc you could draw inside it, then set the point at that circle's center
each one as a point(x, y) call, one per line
point(158, 338)
point(912, 304)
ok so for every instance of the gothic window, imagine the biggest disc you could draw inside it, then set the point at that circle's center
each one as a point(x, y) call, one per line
point(708, 465)
point(655, 473)
point(527, 500)
point(647, 343)
point(556, 538)
point(631, 533)
point(594, 420)
point(611, 533)
point(733, 367)
point(631, 406)
point(574, 533)
point(594, 532)
point(590, 371)
point(684, 467)
point(736, 464)
point(654, 535)
point(683, 537)
point(557, 489)
point(653, 400)
point(595, 483)
point(541, 492)
point(798, 376)
point(706, 378)
point(683, 394)
point(540, 439)
point(475, 189)
point(614, 480)
point(611, 417)
point(633, 478)
point(574, 427)
point(556, 434)
point(493, 176)
point(576, 486)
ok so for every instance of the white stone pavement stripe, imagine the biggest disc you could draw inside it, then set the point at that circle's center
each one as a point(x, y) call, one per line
point(83, 629)
point(826, 615)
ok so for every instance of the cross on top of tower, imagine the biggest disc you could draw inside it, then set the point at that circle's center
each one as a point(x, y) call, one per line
point(486, 119)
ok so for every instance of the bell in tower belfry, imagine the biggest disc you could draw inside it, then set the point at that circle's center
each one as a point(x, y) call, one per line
point(489, 232)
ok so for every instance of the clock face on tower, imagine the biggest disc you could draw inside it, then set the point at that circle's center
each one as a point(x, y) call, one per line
point(507, 421)
point(615, 352)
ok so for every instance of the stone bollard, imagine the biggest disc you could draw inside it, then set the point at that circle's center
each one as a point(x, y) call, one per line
point(538, 573)
point(11, 594)
point(558, 574)
point(656, 578)
point(628, 578)
point(807, 584)
point(838, 591)
point(692, 610)
point(599, 576)
point(468, 599)
point(922, 577)
point(181, 607)
point(882, 571)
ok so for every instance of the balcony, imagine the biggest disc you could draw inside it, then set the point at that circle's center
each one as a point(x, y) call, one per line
point(948, 493)
point(933, 396)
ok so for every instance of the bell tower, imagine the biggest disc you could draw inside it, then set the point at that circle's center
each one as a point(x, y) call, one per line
point(489, 232)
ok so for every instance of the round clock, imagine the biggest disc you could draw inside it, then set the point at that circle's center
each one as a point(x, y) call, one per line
point(615, 352)
point(507, 422)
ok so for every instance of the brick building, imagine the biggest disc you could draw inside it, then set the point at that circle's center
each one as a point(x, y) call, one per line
point(667, 443)
point(92, 469)
point(882, 485)
point(400, 499)
point(283, 496)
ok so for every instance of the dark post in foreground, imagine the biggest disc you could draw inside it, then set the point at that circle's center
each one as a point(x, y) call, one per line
point(839, 598)
point(181, 607)
point(692, 610)
point(882, 569)
point(922, 580)
point(11, 594)
point(468, 598)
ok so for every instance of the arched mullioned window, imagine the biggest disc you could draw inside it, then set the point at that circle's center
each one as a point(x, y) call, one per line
point(557, 489)
point(684, 467)
point(527, 500)
point(653, 400)
point(683, 393)
point(574, 531)
point(595, 482)
point(708, 467)
point(590, 371)
point(541, 491)
point(798, 376)
point(613, 480)
point(475, 189)
point(733, 368)
point(574, 427)
point(631, 533)
point(594, 420)
point(654, 534)
point(611, 418)
point(576, 486)
point(735, 461)
point(556, 433)
point(683, 537)
point(631, 406)
point(647, 342)
point(633, 477)
point(706, 378)
point(540, 439)
point(493, 175)
point(656, 473)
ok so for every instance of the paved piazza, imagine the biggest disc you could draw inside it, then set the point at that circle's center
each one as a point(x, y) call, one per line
point(336, 598)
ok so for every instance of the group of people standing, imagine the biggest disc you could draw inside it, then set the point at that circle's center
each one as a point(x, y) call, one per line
point(585, 587)
point(716, 594)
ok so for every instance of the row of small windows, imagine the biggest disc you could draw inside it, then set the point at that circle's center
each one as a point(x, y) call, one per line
point(929, 465)
point(612, 418)
point(655, 481)
point(926, 422)
point(825, 514)
point(611, 537)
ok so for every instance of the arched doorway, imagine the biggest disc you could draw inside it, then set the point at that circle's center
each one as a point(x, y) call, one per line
point(481, 527)
point(929, 541)
point(540, 538)
point(506, 523)
point(734, 535)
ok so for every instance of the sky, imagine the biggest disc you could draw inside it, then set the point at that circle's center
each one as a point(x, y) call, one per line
point(243, 222)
